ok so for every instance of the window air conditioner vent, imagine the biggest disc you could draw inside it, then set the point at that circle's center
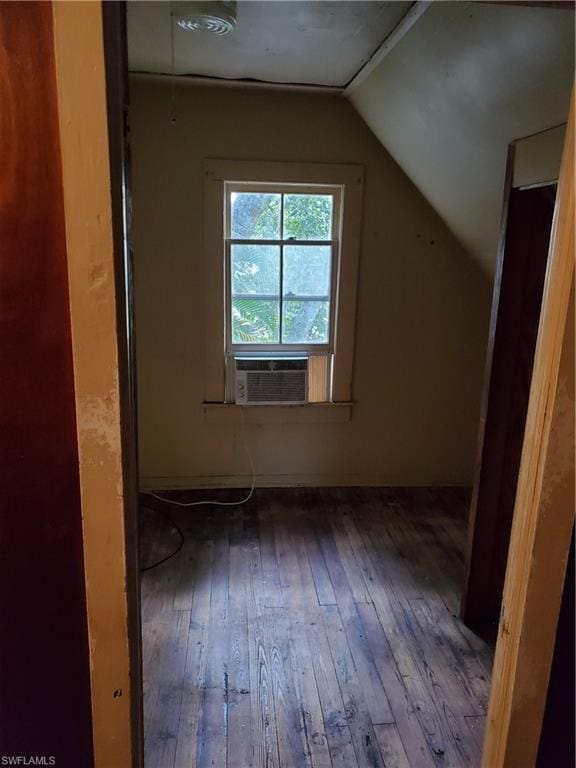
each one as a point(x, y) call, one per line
point(279, 380)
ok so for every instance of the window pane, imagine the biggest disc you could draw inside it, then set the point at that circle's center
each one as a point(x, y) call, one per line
point(307, 270)
point(308, 217)
point(305, 322)
point(255, 216)
point(255, 321)
point(255, 269)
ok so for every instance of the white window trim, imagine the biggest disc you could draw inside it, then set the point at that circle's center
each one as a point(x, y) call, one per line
point(350, 179)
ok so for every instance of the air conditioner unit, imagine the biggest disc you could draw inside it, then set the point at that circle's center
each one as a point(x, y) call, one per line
point(260, 381)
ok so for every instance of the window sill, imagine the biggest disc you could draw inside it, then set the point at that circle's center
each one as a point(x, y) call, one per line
point(307, 413)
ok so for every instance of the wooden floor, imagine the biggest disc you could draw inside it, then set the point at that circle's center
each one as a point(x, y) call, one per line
point(311, 627)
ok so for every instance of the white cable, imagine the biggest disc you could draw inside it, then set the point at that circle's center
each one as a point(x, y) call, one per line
point(219, 503)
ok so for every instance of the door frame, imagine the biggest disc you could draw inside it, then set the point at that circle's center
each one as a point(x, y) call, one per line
point(96, 251)
point(507, 377)
point(89, 46)
point(544, 509)
point(116, 65)
point(466, 596)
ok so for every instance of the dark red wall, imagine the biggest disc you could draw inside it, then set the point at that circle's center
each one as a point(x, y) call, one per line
point(44, 667)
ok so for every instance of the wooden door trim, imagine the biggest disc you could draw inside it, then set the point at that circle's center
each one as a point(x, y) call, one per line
point(81, 84)
point(116, 61)
point(544, 510)
point(514, 717)
point(467, 592)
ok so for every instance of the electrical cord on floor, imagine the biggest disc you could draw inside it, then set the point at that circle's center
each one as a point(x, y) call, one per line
point(198, 503)
point(219, 503)
point(178, 530)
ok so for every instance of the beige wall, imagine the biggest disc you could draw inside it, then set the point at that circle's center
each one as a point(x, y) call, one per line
point(537, 158)
point(422, 303)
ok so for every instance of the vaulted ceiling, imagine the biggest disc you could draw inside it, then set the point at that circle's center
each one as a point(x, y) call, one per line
point(445, 93)
point(468, 79)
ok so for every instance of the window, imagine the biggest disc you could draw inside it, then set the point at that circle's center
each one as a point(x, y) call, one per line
point(281, 257)
point(281, 269)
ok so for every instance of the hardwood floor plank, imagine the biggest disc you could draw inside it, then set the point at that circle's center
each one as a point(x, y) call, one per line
point(292, 533)
point(337, 509)
point(196, 653)
point(295, 574)
point(331, 702)
point(477, 726)
point(186, 579)
point(391, 746)
point(159, 587)
point(240, 752)
point(324, 590)
point(413, 570)
point(416, 677)
point(440, 667)
point(462, 738)
point(306, 688)
point(462, 662)
point(165, 694)
point(442, 596)
point(443, 574)
point(273, 595)
point(264, 731)
point(356, 711)
point(298, 526)
point(213, 717)
point(341, 747)
point(406, 716)
point(384, 558)
point(373, 691)
point(292, 745)
point(312, 628)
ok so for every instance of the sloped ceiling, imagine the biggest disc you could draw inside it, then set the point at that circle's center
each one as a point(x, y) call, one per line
point(446, 100)
point(463, 83)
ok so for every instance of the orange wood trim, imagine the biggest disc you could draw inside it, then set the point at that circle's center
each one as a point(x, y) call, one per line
point(80, 69)
point(544, 510)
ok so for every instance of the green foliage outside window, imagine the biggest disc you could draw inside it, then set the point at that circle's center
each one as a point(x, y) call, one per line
point(255, 269)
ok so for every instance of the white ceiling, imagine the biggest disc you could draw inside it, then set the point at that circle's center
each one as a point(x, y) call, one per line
point(323, 43)
point(468, 79)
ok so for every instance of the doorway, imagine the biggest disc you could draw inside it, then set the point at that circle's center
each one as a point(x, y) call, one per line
point(334, 481)
point(516, 308)
point(255, 615)
point(315, 623)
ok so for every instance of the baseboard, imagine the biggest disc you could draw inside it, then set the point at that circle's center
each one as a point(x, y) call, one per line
point(290, 481)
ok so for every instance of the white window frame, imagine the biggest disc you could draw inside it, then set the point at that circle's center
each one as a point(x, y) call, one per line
point(334, 242)
point(343, 180)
